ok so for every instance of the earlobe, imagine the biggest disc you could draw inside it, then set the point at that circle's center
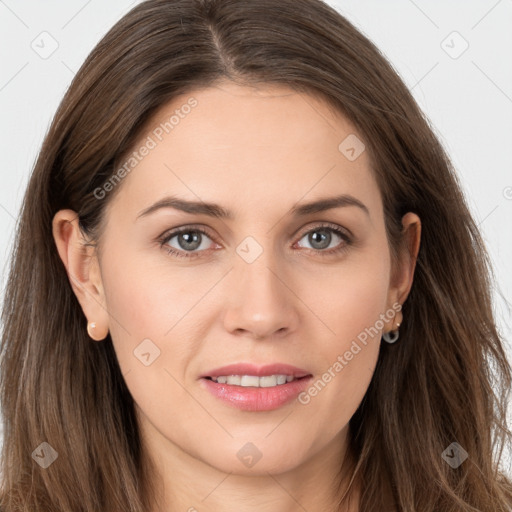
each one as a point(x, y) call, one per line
point(80, 262)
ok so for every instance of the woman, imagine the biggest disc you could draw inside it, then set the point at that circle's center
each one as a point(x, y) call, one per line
point(245, 277)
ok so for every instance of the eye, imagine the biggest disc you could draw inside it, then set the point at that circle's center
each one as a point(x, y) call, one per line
point(191, 241)
point(321, 237)
point(188, 239)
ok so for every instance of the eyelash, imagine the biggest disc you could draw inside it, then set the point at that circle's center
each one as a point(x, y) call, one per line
point(166, 237)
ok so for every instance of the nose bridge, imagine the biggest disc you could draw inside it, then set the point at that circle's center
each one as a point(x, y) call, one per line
point(260, 302)
point(256, 267)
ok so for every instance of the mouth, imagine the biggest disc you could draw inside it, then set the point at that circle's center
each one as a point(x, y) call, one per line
point(267, 381)
point(249, 372)
point(252, 388)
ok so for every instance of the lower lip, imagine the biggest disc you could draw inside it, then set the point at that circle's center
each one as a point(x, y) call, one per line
point(257, 399)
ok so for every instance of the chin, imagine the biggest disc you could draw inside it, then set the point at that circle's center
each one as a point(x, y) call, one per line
point(257, 458)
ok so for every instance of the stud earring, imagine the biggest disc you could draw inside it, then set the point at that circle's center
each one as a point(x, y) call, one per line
point(392, 336)
point(91, 326)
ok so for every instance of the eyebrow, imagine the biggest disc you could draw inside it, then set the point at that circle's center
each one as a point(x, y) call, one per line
point(217, 211)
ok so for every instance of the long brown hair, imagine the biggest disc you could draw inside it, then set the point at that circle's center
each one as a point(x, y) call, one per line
point(447, 379)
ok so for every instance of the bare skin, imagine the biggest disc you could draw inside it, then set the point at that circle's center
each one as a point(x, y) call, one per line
point(258, 153)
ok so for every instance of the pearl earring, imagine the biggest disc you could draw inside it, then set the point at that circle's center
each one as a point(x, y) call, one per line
point(90, 328)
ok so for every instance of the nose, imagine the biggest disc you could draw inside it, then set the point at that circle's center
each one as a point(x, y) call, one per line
point(261, 302)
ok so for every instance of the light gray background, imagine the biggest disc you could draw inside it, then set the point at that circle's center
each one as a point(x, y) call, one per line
point(467, 95)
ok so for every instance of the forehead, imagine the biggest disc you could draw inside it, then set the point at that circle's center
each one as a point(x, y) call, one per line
point(240, 145)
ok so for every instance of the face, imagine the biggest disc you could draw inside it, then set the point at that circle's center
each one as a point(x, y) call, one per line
point(258, 280)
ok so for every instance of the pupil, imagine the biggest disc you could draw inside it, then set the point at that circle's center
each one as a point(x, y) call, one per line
point(325, 239)
point(188, 241)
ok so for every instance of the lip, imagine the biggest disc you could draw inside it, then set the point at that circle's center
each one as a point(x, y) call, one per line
point(255, 399)
point(258, 371)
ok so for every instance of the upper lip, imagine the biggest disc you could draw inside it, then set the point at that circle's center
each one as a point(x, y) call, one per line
point(259, 371)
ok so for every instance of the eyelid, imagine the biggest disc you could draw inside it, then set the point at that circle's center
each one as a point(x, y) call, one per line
point(326, 224)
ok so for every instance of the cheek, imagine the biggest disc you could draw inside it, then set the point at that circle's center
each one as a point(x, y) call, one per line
point(133, 301)
point(359, 304)
point(141, 307)
point(354, 296)
point(352, 310)
point(154, 309)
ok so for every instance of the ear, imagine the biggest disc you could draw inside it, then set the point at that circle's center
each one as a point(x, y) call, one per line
point(403, 276)
point(82, 267)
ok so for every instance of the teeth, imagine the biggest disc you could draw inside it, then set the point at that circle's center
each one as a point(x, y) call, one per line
point(247, 380)
point(267, 381)
point(281, 379)
point(234, 380)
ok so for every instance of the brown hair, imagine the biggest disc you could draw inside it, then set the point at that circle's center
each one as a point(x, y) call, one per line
point(446, 380)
